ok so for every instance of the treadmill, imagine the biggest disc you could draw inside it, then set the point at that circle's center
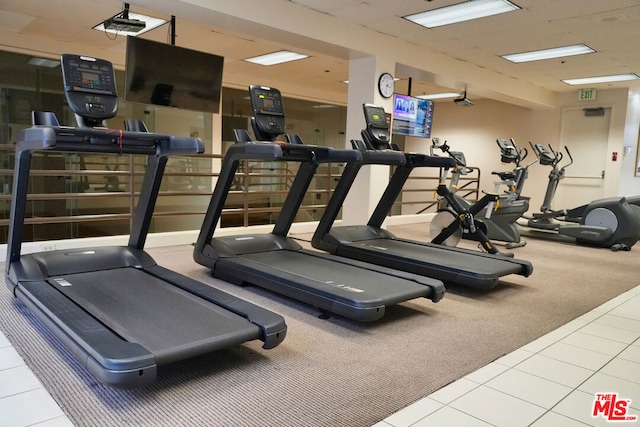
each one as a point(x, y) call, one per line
point(120, 313)
point(371, 243)
point(274, 261)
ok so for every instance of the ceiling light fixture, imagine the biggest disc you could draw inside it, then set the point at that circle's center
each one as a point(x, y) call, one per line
point(129, 23)
point(461, 12)
point(601, 79)
point(276, 57)
point(440, 95)
point(43, 62)
point(556, 52)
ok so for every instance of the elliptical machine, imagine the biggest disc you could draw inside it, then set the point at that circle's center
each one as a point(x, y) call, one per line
point(498, 219)
point(611, 222)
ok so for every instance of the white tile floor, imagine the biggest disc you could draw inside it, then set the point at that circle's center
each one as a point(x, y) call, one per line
point(550, 382)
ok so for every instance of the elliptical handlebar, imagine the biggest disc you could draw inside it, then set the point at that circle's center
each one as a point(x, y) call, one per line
point(570, 157)
point(520, 151)
point(536, 160)
point(556, 154)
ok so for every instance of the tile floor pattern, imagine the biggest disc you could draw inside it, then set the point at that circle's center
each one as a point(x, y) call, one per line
point(550, 382)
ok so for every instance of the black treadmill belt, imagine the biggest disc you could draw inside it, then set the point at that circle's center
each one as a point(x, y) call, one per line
point(166, 320)
point(338, 279)
point(442, 257)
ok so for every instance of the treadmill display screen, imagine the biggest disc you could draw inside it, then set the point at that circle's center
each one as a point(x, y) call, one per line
point(376, 117)
point(81, 73)
point(91, 79)
point(268, 101)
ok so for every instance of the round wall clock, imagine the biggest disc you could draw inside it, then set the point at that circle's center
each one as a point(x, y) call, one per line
point(386, 84)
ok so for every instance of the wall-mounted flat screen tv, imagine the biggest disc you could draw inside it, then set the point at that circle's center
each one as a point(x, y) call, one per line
point(172, 76)
point(412, 116)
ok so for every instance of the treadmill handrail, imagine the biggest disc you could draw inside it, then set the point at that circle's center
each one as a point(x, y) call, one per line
point(94, 140)
point(262, 150)
point(382, 157)
point(425, 160)
point(257, 150)
point(59, 138)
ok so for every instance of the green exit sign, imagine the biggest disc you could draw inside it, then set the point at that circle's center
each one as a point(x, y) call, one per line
point(587, 94)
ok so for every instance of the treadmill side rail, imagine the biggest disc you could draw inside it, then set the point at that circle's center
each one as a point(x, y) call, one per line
point(114, 361)
point(273, 325)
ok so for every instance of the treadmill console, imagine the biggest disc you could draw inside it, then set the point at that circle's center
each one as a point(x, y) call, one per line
point(377, 128)
point(268, 112)
point(90, 88)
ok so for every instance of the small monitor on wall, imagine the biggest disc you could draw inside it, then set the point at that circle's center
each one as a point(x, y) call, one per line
point(172, 76)
point(412, 116)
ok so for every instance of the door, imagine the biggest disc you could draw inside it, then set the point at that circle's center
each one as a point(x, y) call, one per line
point(586, 135)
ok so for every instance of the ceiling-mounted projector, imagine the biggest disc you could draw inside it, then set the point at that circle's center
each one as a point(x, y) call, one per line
point(463, 100)
point(123, 24)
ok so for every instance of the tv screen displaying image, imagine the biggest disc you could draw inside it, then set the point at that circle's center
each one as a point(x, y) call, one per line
point(172, 76)
point(412, 116)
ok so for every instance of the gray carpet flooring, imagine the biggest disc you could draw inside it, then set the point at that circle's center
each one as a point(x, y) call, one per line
point(333, 372)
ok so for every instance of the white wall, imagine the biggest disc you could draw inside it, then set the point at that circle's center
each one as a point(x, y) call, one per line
point(474, 131)
point(629, 183)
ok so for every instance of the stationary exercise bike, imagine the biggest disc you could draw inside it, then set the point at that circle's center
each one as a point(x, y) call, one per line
point(611, 222)
point(498, 218)
point(457, 217)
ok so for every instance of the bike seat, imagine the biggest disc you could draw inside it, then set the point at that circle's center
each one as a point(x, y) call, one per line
point(505, 175)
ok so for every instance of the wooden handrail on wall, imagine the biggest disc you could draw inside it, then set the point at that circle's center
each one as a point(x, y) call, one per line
point(257, 200)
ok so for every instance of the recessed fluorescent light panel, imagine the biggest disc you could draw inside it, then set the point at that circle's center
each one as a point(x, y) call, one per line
point(461, 12)
point(276, 57)
point(440, 95)
point(602, 79)
point(149, 21)
point(43, 62)
point(557, 52)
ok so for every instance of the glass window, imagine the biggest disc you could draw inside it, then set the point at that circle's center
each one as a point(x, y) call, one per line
point(93, 195)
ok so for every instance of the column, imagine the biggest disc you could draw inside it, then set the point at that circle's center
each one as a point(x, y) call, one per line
point(372, 179)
